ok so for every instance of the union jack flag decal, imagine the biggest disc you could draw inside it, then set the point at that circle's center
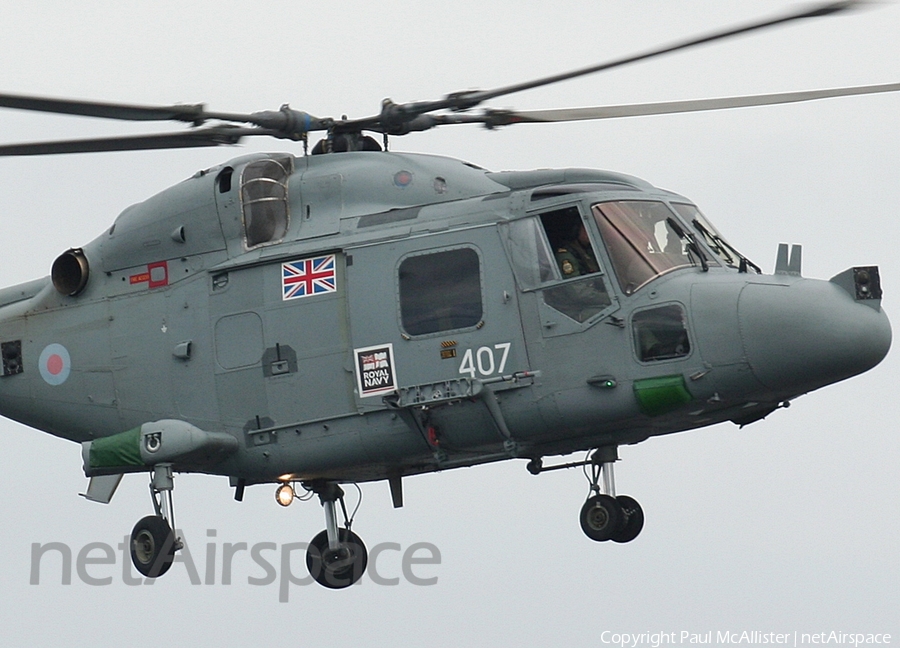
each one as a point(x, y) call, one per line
point(315, 276)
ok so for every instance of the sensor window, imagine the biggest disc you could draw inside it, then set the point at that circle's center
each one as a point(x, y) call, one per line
point(660, 333)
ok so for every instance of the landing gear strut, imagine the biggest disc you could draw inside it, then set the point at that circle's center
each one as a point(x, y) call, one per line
point(153, 542)
point(604, 515)
point(336, 558)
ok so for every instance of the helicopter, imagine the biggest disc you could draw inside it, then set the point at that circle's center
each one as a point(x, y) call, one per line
point(356, 315)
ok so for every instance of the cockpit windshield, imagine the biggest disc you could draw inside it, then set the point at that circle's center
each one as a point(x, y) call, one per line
point(710, 235)
point(644, 241)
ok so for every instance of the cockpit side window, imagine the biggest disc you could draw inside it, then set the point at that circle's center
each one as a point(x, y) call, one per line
point(531, 257)
point(264, 200)
point(643, 240)
point(571, 245)
point(584, 293)
point(553, 252)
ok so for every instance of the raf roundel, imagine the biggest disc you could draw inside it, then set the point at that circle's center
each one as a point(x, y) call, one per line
point(55, 364)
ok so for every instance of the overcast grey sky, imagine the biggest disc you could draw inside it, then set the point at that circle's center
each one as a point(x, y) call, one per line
point(787, 525)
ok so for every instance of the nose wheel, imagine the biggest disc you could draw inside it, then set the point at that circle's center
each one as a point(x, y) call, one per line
point(619, 519)
point(600, 517)
point(630, 528)
point(606, 516)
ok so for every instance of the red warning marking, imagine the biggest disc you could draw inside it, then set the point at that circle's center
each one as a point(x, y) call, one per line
point(157, 275)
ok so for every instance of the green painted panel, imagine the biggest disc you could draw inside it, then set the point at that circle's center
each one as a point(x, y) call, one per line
point(660, 395)
point(123, 449)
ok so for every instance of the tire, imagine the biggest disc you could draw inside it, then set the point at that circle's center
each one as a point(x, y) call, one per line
point(152, 546)
point(601, 517)
point(339, 568)
point(632, 519)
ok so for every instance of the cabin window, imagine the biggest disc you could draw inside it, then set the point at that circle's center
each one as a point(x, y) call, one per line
point(440, 291)
point(264, 200)
point(660, 333)
point(643, 240)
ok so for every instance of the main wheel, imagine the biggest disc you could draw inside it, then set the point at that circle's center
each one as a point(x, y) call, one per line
point(601, 517)
point(632, 519)
point(152, 546)
point(337, 568)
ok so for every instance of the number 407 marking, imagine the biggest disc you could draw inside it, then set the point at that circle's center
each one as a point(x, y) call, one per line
point(484, 360)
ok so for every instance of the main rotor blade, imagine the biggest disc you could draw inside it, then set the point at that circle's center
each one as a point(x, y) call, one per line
point(188, 113)
point(287, 122)
point(217, 136)
point(823, 9)
point(505, 117)
point(394, 117)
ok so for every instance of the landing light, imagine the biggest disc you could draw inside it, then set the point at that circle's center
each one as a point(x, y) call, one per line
point(284, 495)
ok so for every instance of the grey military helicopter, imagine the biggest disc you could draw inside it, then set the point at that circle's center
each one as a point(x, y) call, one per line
point(354, 314)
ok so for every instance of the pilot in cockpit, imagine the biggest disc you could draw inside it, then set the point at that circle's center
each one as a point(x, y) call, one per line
point(575, 256)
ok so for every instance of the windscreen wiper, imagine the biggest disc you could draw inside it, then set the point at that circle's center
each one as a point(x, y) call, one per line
point(692, 243)
point(721, 246)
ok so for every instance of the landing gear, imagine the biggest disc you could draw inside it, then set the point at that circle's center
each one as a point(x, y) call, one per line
point(153, 541)
point(152, 546)
point(340, 567)
point(604, 515)
point(336, 558)
point(601, 517)
point(634, 519)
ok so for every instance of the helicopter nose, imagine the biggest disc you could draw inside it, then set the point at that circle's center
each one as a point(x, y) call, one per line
point(809, 334)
